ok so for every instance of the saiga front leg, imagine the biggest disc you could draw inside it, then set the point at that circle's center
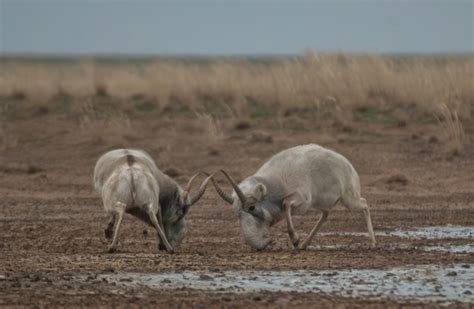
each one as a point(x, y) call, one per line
point(313, 232)
point(294, 237)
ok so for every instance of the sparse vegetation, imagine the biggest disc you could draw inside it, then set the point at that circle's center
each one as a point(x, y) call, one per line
point(344, 88)
point(213, 128)
point(451, 122)
point(21, 168)
point(249, 87)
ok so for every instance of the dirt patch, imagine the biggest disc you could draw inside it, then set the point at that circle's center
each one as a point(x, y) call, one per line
point(51, 222)
point(261, 137)
point(397, 179)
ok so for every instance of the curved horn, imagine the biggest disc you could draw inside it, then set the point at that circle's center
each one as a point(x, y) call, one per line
point(190, 183)
point(221, 192)
point(237, 190)
point(202, 189)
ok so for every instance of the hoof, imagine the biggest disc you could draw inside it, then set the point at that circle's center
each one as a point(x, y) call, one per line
point(268, 243)
point(112, 249)
point(302, 247)
point(108, 233)
point(295, 243)
point(162, 247)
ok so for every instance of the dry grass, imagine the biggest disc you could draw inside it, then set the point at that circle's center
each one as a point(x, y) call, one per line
point(363, 88)
point(312, 80)
point(213, 129)
point(449, 119)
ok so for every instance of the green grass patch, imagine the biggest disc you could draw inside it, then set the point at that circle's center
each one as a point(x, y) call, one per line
point(372, 114)
point(61, 103)
point(424, 118)
point(175, 107)
point(146, 106)
point(258, 110)
point(215, 108)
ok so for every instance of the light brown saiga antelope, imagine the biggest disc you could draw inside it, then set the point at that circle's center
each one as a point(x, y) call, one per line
point(299, 178)
point(130, 182)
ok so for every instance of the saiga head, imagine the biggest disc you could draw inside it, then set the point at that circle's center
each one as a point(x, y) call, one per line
point(254, 218)
point(175, 211)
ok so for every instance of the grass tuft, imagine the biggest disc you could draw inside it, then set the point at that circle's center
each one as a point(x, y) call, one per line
point(447, 115)
point(213, 128)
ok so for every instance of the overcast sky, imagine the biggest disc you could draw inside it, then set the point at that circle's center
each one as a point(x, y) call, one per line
point(235, 27)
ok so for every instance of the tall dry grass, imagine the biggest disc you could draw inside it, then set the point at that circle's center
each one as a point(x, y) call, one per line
point(448, 117)
point(212, 127)
point(312, 80)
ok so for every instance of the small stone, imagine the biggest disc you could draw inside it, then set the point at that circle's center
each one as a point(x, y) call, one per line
point(261, 137)
point(35, 278)
point(433, 139)
point(172, 172)
point(401, 124)
point(452, 274)
point(109, 270)
point(242, 125)
point(213, 151)
point(204, 277)
point(397, 178)
point(125, 280)
point(467, 292)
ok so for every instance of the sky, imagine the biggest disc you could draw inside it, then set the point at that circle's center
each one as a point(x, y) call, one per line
point(235, 27)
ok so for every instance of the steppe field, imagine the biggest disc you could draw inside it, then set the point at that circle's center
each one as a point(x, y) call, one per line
point(406, 123)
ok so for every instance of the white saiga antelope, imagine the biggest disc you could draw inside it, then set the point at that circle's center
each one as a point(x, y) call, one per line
point(299, 178)
point(130, 182)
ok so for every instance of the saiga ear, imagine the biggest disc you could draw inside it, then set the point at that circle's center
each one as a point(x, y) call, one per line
point(182, 198)
point(259, 191)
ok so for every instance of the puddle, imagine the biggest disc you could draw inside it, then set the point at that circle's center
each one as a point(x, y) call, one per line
point(450, 248)
point(460, 249)
point(430, 232)
point(425, 283)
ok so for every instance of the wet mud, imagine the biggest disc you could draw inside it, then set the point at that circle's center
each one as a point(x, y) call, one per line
point(53, 249)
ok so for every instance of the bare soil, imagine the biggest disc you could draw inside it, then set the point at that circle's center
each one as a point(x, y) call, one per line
point(51, 220)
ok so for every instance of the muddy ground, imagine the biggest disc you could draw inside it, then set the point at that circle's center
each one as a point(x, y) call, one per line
point(51, 221)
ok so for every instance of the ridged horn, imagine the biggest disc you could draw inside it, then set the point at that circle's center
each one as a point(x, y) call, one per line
point(237, 190)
